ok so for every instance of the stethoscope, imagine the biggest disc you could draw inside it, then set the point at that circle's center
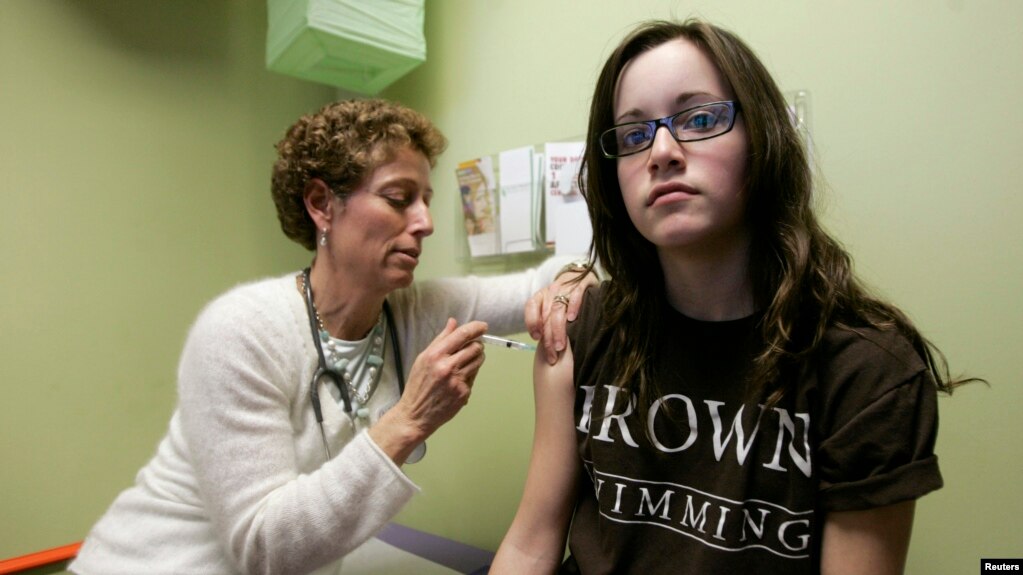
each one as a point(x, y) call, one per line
point(332, 374)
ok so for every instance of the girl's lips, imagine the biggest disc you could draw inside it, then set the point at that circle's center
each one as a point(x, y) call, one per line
point(667, 189)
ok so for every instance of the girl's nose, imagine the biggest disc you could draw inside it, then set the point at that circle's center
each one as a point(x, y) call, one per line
point(665, 152)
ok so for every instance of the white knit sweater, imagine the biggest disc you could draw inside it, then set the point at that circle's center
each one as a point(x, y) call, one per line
point(240, 483)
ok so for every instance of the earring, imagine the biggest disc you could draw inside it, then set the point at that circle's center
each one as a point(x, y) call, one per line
point(323, 237)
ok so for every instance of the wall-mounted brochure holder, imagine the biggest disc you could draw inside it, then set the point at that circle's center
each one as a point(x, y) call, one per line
point(525, 201)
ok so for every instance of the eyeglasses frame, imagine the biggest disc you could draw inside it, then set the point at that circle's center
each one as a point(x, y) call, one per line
point(666, 121)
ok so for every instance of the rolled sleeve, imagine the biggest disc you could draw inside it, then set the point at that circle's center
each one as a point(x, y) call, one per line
point(885, 453)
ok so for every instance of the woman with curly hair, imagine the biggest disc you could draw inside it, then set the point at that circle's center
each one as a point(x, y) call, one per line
point(732, 400)
point(301, 397)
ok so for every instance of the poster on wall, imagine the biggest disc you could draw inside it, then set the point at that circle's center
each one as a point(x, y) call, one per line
point(479, 206)
point(568, 228)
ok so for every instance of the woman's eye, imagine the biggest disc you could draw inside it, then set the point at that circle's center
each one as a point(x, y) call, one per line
point(399, 201)
point(633, 137)
point(702, 120)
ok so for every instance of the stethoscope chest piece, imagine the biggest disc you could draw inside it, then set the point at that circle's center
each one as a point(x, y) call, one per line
point(417, 454)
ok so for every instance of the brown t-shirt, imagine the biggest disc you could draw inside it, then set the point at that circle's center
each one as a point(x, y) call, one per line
point(715, 482)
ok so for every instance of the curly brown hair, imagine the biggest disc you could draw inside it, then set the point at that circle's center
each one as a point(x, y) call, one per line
point(342, 144)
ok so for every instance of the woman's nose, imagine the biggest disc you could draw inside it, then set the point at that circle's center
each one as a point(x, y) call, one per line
point(421, 222)
point(665, 152)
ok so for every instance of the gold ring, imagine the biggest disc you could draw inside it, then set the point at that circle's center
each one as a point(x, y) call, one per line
point(562, 299)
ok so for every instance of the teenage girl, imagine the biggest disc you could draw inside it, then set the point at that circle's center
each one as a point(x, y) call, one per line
point(732, 400)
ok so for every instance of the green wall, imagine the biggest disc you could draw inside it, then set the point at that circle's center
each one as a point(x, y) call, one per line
point(136, 145)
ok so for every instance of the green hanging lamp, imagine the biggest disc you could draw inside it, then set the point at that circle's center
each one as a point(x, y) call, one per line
point(359, 45)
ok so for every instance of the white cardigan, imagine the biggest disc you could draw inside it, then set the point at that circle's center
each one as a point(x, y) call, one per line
point(240, 483)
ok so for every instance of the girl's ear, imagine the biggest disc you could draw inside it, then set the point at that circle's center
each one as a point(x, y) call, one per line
point(319, 203)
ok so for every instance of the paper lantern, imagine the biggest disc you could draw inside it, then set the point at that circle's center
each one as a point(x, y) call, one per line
point(359, 45)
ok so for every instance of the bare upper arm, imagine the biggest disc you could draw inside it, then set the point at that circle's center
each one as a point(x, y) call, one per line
point(535, 542)
point(872, 541)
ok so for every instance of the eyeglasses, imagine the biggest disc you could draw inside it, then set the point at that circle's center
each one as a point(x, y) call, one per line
point(690, 125)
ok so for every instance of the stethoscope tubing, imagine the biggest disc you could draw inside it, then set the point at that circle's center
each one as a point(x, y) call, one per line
point(322, 370)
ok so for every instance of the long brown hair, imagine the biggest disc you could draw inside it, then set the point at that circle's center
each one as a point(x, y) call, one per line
point(802, 277)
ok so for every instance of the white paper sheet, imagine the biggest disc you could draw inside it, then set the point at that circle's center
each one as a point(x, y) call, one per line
point(516, 207)
point(568, 227)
